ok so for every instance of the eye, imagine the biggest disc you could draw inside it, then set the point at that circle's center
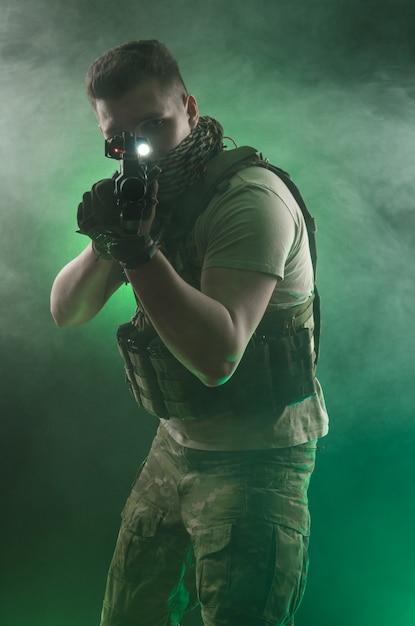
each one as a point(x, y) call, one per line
point(155, 124)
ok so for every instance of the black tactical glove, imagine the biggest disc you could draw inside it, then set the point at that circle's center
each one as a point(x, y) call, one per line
point(99, 219)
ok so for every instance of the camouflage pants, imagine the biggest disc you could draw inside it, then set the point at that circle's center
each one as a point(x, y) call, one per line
point(228, 531)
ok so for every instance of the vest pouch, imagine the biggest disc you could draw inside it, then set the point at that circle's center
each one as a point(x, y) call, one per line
point(185, 396)
point(275, 371)
point(248, 392)
point(293, 366)
point(140, 374)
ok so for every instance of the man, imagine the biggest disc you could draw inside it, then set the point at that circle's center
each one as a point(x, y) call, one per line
point(218, 512)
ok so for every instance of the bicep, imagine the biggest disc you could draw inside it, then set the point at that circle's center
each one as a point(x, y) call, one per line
point(244, 293)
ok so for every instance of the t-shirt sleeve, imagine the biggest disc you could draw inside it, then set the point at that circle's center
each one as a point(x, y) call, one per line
point(249, 227)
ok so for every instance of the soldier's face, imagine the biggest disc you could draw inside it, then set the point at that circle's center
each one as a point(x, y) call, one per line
point(163, 117)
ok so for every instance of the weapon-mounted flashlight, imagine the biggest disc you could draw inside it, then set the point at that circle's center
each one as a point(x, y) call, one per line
point(126, 146)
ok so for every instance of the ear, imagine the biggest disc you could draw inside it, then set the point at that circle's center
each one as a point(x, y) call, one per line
point(192, 111)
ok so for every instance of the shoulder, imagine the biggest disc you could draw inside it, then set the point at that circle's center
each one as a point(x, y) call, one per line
point(255, 191)
point(260, 177)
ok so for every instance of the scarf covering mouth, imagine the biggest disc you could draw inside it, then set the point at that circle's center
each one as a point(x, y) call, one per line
point(184, 164)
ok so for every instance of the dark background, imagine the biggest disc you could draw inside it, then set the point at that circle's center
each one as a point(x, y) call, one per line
point(325, 88)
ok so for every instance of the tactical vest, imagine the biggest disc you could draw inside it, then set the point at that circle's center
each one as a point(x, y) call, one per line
point(278, 366)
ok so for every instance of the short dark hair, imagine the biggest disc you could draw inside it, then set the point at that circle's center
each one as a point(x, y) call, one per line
point(122, 68)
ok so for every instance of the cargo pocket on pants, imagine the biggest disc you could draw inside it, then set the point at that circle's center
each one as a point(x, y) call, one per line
point(136, 545)
point(213, 564)
point(290, 576)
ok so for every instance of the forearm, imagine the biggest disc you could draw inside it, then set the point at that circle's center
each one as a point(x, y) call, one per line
point(198, 329)
point(82, 287)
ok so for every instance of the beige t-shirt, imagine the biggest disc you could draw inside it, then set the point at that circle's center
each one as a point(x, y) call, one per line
point(256, 224)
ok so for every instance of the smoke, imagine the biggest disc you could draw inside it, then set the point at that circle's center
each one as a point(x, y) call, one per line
point(325, 90)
